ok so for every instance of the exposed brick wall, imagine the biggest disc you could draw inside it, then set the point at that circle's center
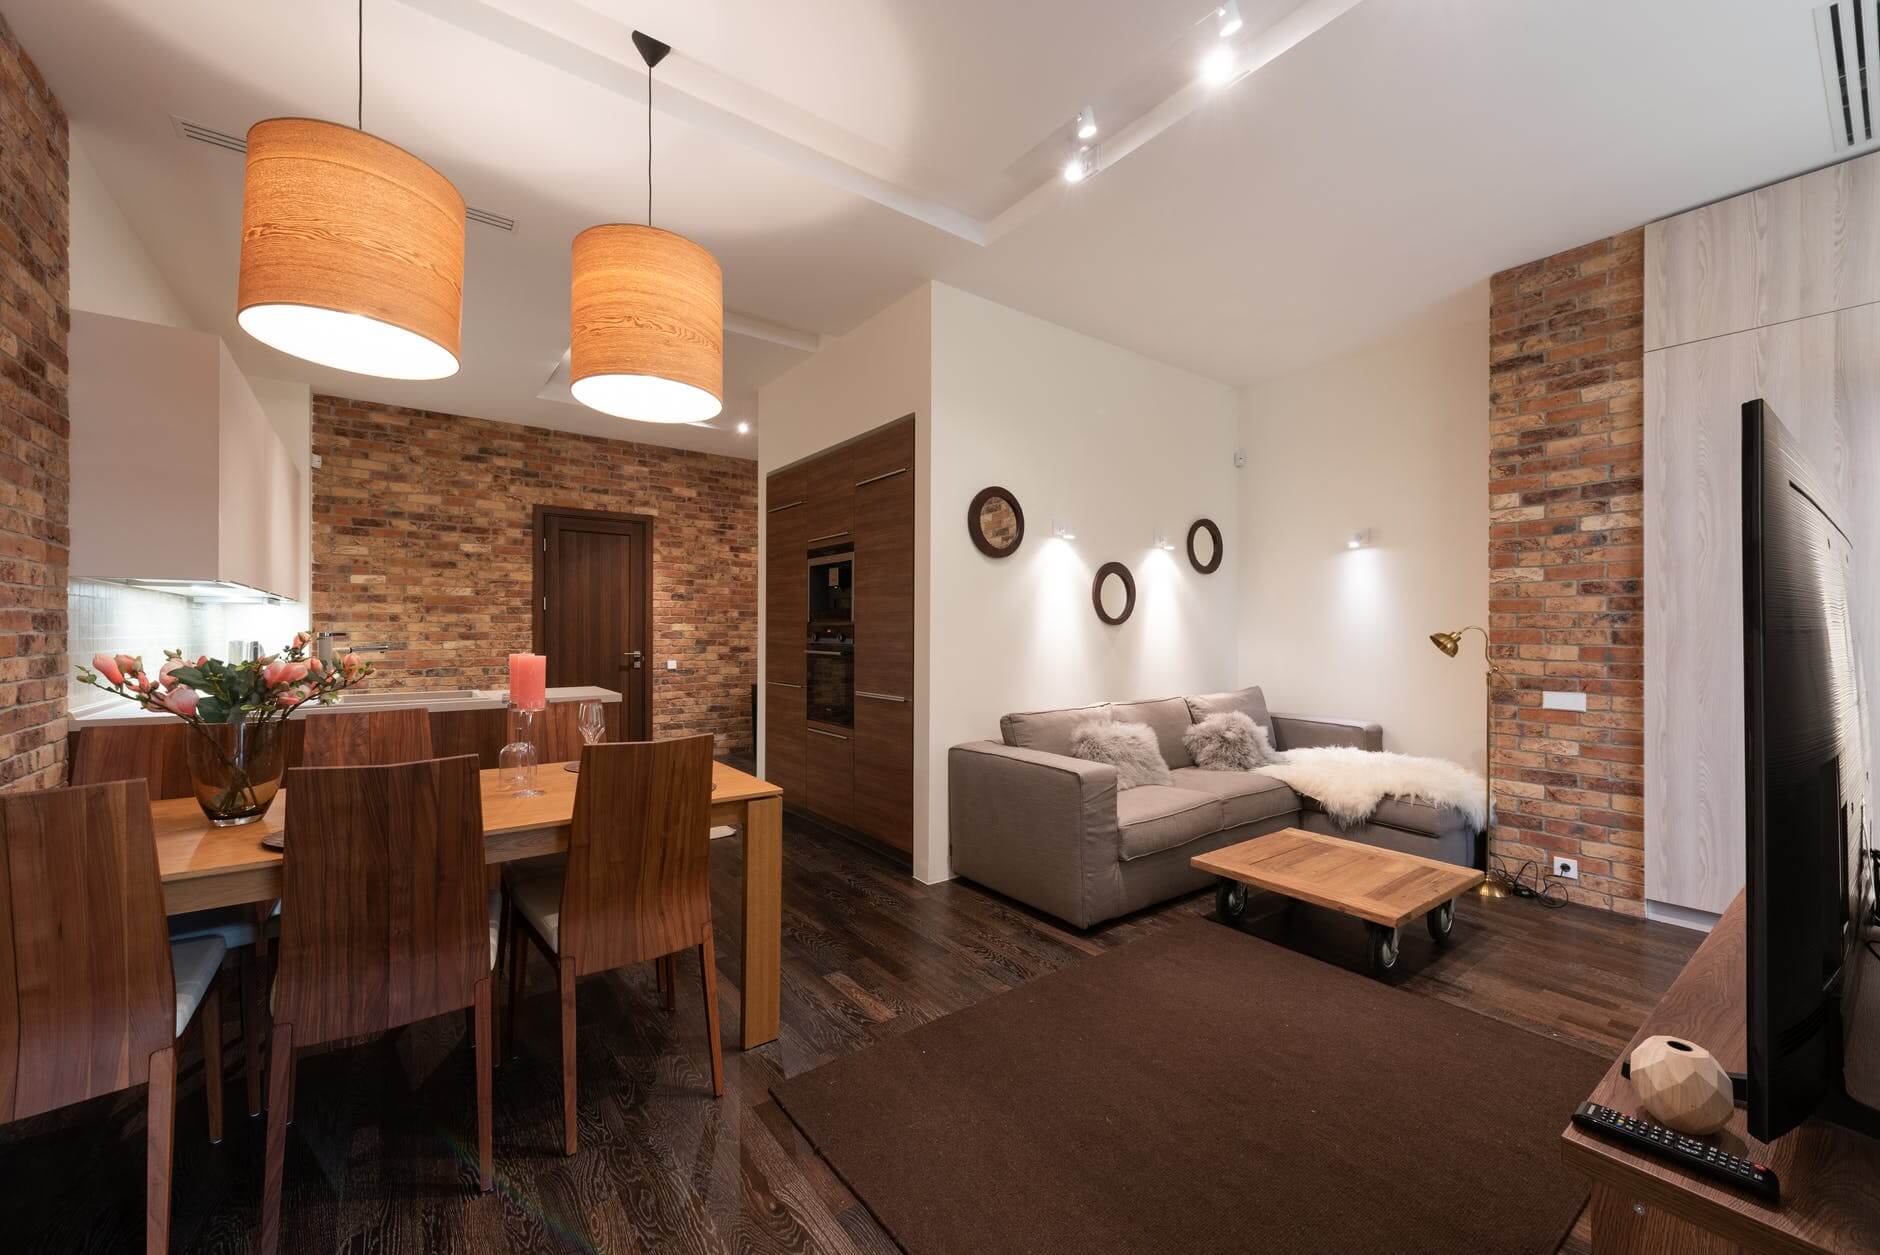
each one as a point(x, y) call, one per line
point(35, 423)
point(1566, 544)
point(422, 532)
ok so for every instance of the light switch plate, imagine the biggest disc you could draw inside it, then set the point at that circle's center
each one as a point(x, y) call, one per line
point(1563, 701)
point(672, 664)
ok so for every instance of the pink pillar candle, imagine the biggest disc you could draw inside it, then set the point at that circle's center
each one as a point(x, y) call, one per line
point(528, 681)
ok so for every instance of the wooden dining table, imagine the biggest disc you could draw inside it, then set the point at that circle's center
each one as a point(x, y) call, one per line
point(203, 866)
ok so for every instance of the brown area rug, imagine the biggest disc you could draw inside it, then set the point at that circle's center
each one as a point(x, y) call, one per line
point(1203, 1091)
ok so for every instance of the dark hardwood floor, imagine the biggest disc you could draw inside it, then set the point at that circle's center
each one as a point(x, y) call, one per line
point(382, 1156)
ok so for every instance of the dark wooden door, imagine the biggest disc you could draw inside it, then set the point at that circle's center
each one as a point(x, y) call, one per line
point(594, 605)
point(786, 617)
point(883, 523)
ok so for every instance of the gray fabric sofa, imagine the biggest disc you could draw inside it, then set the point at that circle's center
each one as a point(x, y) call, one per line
point(1054, 832)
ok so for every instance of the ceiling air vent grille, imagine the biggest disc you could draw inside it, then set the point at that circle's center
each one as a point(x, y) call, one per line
point(1848, 33)
point(236, 144)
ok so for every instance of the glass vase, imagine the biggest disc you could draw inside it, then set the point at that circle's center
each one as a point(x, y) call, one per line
point(518, 760)
point(235, 768)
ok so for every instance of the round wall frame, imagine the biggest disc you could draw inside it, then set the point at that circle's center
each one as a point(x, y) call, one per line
point(1213, 563)
point(1121, 572)
point(996, 523)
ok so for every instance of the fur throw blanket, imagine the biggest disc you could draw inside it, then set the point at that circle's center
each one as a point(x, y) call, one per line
point(1349, 783)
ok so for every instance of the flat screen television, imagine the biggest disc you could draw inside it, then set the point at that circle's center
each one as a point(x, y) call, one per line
point(1809, 881)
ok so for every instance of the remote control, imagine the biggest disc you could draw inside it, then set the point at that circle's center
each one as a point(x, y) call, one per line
point(1688, 1152)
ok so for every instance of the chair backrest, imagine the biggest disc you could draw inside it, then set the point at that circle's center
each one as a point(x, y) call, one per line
point(639, 854)
point(365, 738)
point(384, 914)
point(151, 751)
point(558, 732)
point(86, 990)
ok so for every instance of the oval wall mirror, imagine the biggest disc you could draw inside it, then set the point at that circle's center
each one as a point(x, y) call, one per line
point(1113, 593)
point(996, 523)
point(1204, 546)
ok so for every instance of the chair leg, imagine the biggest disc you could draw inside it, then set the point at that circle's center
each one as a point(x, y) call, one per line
point(708, 976)
point(209, 1023)
point(570, 1141)
point(518, 960)
point(668, 981)
point(160, 1140)
point(293, 1080)
point(484, 1061)
point(254, 1021)
point(505, 925)
point(280, 1107)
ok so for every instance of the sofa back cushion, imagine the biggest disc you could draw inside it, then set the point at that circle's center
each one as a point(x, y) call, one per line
point(1168, 719)
point(1248, 701)
point(1048, 731)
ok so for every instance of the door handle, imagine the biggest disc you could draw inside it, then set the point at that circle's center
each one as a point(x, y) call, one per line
point(880, 697)
point(832, 735)
point(785, 684)
point(631, 659)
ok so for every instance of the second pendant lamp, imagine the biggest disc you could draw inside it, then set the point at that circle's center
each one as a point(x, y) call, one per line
point(646, 311)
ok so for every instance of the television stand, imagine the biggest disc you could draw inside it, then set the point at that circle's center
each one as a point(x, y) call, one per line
point(1830, 1174)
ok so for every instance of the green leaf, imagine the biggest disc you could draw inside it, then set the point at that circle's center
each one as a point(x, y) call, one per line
point(212, 710)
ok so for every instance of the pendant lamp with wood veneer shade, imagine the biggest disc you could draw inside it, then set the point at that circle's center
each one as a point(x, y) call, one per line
point(646, 311)
point(352, 249)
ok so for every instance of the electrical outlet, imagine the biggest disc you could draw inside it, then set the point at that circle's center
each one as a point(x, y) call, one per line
point(1566, 868)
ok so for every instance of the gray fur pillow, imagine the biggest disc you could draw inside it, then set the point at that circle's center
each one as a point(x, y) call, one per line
point(1229, 741)
point(1128, 747)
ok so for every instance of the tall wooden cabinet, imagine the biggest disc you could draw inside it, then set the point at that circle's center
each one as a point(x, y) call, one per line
point(858, 777)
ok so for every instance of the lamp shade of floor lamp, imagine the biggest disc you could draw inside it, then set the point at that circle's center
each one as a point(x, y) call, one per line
point(1449, 643)
point(647, 324)
point(352, 252)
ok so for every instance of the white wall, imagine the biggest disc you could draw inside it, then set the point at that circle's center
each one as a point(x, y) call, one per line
point(1120, 445)
point(112, 272)
point(1393, 438)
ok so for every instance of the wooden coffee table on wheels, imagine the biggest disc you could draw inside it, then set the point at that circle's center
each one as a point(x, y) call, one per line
point(1383, 888)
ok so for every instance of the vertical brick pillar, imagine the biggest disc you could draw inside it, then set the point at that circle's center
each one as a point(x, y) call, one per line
point(35, 424)
point(1566, 558)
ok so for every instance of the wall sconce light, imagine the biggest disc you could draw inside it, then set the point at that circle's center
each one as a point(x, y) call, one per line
point(1062, 529)
point(1162, 542)
point(1360, 539)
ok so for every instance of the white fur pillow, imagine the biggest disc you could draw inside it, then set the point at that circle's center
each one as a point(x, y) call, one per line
point(1129, 747)
point(1229, 741)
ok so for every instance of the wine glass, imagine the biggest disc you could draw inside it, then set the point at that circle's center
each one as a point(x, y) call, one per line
point(591, 720)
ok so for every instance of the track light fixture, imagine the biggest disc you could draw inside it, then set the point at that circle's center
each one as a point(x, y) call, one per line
point(1229, 15)
point(1087, 123)
point(1218, 66)
point(1078, 168)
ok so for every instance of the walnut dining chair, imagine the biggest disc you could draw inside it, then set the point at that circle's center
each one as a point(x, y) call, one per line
point(152, 750)
point(384, 922)
point(93, 993)
point(636, 887)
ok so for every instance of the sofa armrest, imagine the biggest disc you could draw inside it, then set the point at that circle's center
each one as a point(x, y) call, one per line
point(1034, 826)
point(1297, 732)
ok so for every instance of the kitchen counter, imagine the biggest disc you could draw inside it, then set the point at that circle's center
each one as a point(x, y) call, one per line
point(115, 712)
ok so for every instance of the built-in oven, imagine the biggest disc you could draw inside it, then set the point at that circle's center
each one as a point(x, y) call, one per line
point(829, 654)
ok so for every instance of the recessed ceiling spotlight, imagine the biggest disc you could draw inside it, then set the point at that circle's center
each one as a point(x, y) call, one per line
point(744, 429)
point(1229, 14)
point(1218, 66)
point(1078, 168)
point(1087, 123)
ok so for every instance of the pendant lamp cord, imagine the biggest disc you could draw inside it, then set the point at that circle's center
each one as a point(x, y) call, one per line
point(649, 143)
point(362, 64)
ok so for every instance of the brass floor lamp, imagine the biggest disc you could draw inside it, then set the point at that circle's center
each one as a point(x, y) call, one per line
point(1449, 643)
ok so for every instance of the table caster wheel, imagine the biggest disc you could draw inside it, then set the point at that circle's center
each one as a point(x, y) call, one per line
point(1384, 949)
point(1230, 900)
point(1441, 921)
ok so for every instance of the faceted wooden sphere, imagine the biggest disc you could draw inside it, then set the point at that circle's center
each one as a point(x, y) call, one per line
point(1682, 1086)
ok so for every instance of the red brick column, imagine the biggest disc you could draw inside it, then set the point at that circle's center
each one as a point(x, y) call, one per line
point(35, 424)
point(1566, 554)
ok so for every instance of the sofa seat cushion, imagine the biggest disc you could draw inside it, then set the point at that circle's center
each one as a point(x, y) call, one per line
point(1168, 719)
point(1248, 701)
point(1048, 731)
point(1415, 817)
point(1247, 797)
point(1156, 817)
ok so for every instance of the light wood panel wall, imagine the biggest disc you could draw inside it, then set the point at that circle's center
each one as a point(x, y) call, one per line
point(1771, 294)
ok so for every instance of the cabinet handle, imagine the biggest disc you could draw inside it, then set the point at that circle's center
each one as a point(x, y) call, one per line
point(784, 684)
point(819, 732)
point(825, 653)
point(779, 509)
point(817, 539)
point(880, 697)
point(875, 479)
